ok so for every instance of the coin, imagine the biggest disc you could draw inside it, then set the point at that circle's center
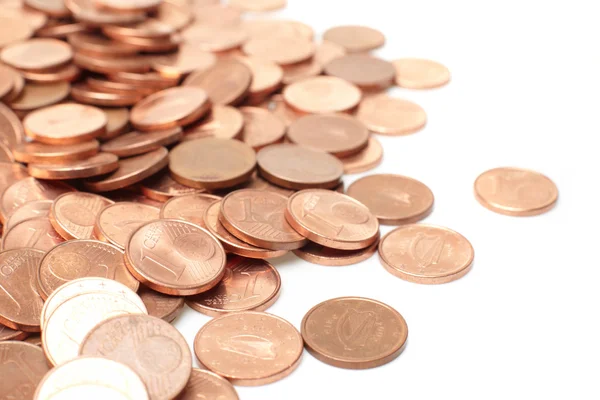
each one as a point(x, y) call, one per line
point(363, 70)
point(14, 9)
point(161, 305)
point(97, 377)
point(278, 27)
point(6, 155)
point(322, 94)
point(175, 257)
point(214, 38)
point(117, 222)
point(515, 191)
point(37, 95)
point(32, 152)
point(148, 79)
point(33, 209)
point(99, 46)
point(393, 199)
point(332, 219)
point(223, 122)
point(83, 93)
point(21, 304)
point(53, 8)
point(248, 285)
point(283, 50)
point(154, 45)
point(259, 5)
point(211, 163)
point(99, 164)
point(106, 65)
point(317, 254)
point(13, 29)
point(370, 157)
point(149, 28)
point(172, 13)
point(187, 60)
point(261, 127)
point(136, 143)
point(121, 88)
point(37, 54)
point(36, 233)
point(355, 39)
point(161, 187)
point(266, 75)
point(23, 367)
point(86, 11)
point(256, 182)
point(10, 334)
point(118, 118)
point(9, 174)
point(59, 29)
point(354, 332)
point(73, 214)
point(226, 83)
point(208, 384)
point(271, 344)
point(416, 73)
point(215, 14)
point(6, 80)
point(129, 5)
point(278, 106)
point(18, 84)
point(324, 54)
point(189, 207)
point(297, 167)
point(391, 116)
point(131, 170)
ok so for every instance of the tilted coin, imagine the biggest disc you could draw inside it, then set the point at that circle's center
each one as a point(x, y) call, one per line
point(66, 73)
point(226, 83)
point(7, 334)
point(188, 59)
point(53, 8)
point(223, 122)
point(322, 94)
point(46, 153)
point(391, 116)
point(261, 127)
point(365, 71)
point(117, 222)
point(11, 128)
point(266, 75)
point(208, 384)
point(36, 233)
point(354, 38)
point(162, 187)
point(317, 254)
point(136, 143)
point(49, 53)
point(368, 158)
point(22, 366)
point(85, 94)
point(190, 207)
point(10, 173)
point(32, 209)
point(283, 50)
point(161, 305)
point(73, 214)
point(37, 95)
point(87, 11)
point(415, 73)
point(118, 119)
point(98, 45)
point(96, 165)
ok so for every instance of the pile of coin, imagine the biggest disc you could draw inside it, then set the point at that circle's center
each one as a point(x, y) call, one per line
point(156, 153)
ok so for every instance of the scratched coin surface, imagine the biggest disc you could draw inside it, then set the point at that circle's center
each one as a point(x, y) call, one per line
point(322, 94)
point(117, 222)
point(257, 217)
point(416, 73)
point(515, 191)
point(248, 285)
point(354, 332)
point(37, 233)
point(153, 348)
point(161, 305)
point(332, 219)
point(317, 254)
point(393, 199)
point(391, 116)
point(426, 254)
point(73, 214)
point(22, 367)
point(95, 377)
point(21, 303)
point(208, 385)
point(79, 259)
point(30, 189)
point(175, 257)
point(189, 207)
point(249, 348)
point(33, 209)
point(355, 38)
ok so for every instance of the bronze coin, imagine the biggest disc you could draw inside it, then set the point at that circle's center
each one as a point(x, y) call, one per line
point(173, 13)
point(226, 83)
point(126, 6)
point(37, 95)
point(175, 257)
point(224, 343)
point(53, 8)
point(149, 28)
point(416, 73)
point(82, 259)
point(189, 207)
point(297, 167)
point(211, 163)
point(6, 80)
point(368, 158)
point(118, 119)
point(36, 233)
point(187, 60)
point(33, 209)
point(14, 9)
point(14, 29)
point(99, 46)
point(363, 70)
point(259, 5)
point(256, 182)
point(9, 174)
point(73, 214)
point(148, 79)
point(129, 195)
point(66, 73)
point(209, 12)
point(214, 38)
point(266, 75)
point(515, 191)
point(21, 304)
point(322, 94)
point(83, 93)
point(283, 50)
point(18, 84)
point(355, 39)
point(248, 285)
point(117, 222)
point(6, 155)
point(354, 332)
point(332, 219)
point(23, 367)
point(154, 45)
point(161, 187)
point(208, 384)
point(7, 334)
point(261, 127)
point(37, 54)
point(257, 217)
point(161, 305)
point(87, 11)
point(36, 340)
point(317, 254)
point(324, 54)
point(99, 164)
point(393, 199)
point(98, 84)
point(106, 65)
point(279, 107)
point(391, 116)
point(131, 170)
point(136, 143)
point(223, 122)
point(33, 152)
point(58, 29)
point(426, 254)
point(278, 27)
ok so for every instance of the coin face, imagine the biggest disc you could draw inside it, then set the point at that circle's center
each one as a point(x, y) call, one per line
point(226, 83)
point(266, 75)
point(368, 158)
point(189, 207)
point(514, 191)
point(30, 189)
point(188, 59)
point(223, 122)
point(318, 254)
point(175, 257)
point(161, 305)
point(354, 333)
point(416, 73)
point(355, 39)
point(153, 348)
point(37, 95)
point(73, 214)
point(118, 118)
point(23, 366)
point(426, 254)
point(322, 94)
point(33, 209)
point(208, 384)
point(117, 222)
point(214, 38)
point(261, 127)
point(391, 116)
point(332, 219)
point(271, 345)
point(283, 50)
point(104, 378)
point(36, 233)
point(363, 70)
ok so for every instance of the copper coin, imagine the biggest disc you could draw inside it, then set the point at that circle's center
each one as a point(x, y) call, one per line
point(391, 116)
point(368, 158)
point(214, 13)
point(99, 46)
point(73, 214)
point(36, 233)
point(148, 79)
point(6, 80)
point(257, 217)
point(99, 164)
point(278, 106)
point(226, 83)
point(223, 122)
point(363, 70)
point(111, 65)
point(72, 320)
point(322, 94)
point(209, 385)
point(21, 304)
point(279, 28)
point(188, 59)
point(175, 257)
point(393, 199)
point(426, 254)
point(10, 334)
point(131, 170)
point(23, 367)
point(324, 53)
point(297, 167)
point(271, 346)
point(230, 243)
point(37, 54)
point(97, 377)
point(14, 9)
point(33, 209)
point(256, 182)
point(154, 45)
point(118, 118)
point(37, 95)
point(416, 73)
point(248, 285)
point(81, 259)
point(13, 29)
point(317, 254)
point(45, 153)
point(53, 8)
point(18, 84)
point(355, 39)
point(83, 93)
point(354, 332)
point(36, 340)
point(107, 86)
point(149, 28)
point(117, 222)
point(332, 219)
point(129, 5)
point(174, 14)
point(283, 50)
point(9, 174)
point(6, 155)
point(190, 207)
point(87, 11)
point(129, 195)
point(214, 38)
point(161, 187)
point(515, 191)
point(261, 127)
point(140, 341)
point(161, 305)
point(58, 29)
point(266, 75)
point(136, 143)
point(211, 163)
point(259, 5)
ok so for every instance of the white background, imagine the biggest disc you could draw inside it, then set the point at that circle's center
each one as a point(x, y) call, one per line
point(523, 323)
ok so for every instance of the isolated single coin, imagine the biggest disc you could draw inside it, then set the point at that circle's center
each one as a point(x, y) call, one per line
point(226, 83)
point(261, 127)
point(37, 54)
point(317, 254)
point(23, 367)
point(367, 159)
point(36, 233)
point(354, 332)
point(355, 39)
point(96, 165)
point(515, 191)
point(426, 254)
point(223, 122)
point(117, 222)
point(416, 73)
point(322, 94)
point(189, 207)
point(391, 116)
point(136, 143)
point(40, 153)
point(73, 214)
point(208, 384)
point(161, 305)
point(26, 189)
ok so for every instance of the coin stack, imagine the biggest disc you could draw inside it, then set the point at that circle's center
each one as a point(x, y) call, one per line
point(156, 153)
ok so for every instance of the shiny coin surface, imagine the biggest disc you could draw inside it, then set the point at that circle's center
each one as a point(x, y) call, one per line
point(85, 94)
point(393, 199)
point(53, 8)
point(105, 65)
point(261, 127)
point(87, 11)
point(208, 384)
point(391, 116)
point(99, 46)
point(332, 219)
point(415, 73)
point(273, 344)
point(188, 59)
point(162, 187)
point(223, 122)
point(365, 71)
point(279, 107)
point(317, 254)
point(136, 143)
point(46, 153)
point(190, 207)
point(11, 127)
point(248, 285)
point(99, 164)
point(322, 94)
point(128, 5)
point(355, 39)
point(36, 95)
point(150, 346)
point(6, 80)
point(23, 367)
point(117, 222)
point(283, 50)
point(226, 83)
point(66, 73)
point(73, 214)
point(32, 209)
point(354, 333)
point(515, 191)
point(161, 305)
point(367, 159)
point(37, 54)
point(36, 233)
point(266, 75)
point(29, 189)
point(118, 118)
point(426, 254)
point(13, 30)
